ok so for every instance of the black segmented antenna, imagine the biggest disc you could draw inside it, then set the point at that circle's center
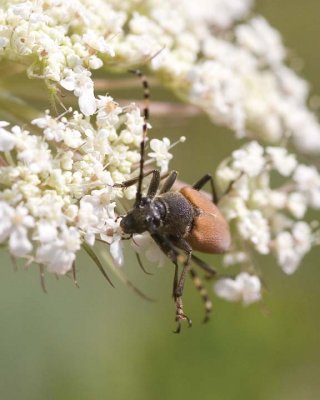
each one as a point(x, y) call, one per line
point(146, 114)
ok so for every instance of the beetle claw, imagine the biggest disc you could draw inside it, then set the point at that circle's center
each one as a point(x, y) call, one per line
point(178, 330)
point(189, 321)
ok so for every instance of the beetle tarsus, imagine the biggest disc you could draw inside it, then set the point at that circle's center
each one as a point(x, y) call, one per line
point(180, 315)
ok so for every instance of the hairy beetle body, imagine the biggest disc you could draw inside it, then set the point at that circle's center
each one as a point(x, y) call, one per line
point(178, 221)
point(179, 214)
point(183, 220)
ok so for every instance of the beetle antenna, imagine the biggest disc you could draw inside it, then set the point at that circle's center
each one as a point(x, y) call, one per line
point(146, 114)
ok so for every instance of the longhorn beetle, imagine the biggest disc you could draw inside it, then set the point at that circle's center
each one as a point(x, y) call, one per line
point(178, 221)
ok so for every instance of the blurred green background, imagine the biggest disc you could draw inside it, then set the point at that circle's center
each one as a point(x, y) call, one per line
point(97, 342)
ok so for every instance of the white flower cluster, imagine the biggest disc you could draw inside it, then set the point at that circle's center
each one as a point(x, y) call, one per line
point(233, 70)
point(60, 41)
point(245, 288)
point(57, 181)
point(57, 187)
point(268, 198)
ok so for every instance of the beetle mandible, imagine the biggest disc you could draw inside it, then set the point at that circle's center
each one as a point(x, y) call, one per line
point(178, 221)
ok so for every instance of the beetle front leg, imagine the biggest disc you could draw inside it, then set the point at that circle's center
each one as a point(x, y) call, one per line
point(133, 181)
point(167, 246)
point(180, 315)
point(196, 280)
point(185, 246)
point(169, 182)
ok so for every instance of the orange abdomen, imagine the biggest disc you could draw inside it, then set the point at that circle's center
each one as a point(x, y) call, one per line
point(210, 232)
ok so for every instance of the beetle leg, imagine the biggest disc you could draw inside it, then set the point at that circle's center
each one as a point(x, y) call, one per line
point(185, 246)
point(167, 246)
point(230, 186)
point(182, 244)
point(206, 267)
point(154, 184)
point(168, 183)
point(133, 181)
point(201, 182)
point(180, 315)
point(203, 293)
point(175, 278)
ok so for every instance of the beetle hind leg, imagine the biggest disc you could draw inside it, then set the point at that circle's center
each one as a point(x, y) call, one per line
point(203, 293)
point(211, 272)
point(202, 181)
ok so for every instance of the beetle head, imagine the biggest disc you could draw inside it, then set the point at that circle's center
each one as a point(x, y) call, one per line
point(139, 218)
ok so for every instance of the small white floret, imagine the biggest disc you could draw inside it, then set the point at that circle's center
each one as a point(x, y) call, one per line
point(245, 288)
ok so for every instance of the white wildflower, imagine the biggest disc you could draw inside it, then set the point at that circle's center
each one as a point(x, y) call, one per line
point(255, 228)
point(245, 288)
point(234, 71)
point(7, 139)
point(262, 40)
point(249, 159)
point(98, 43)
point(59, 255)
point(221, 13)
point(108, 110)
point(291, 247)
point(79, 81)
point(53, 129)
point(308, 182)
point(161, 153)
point(219, 92)
point(113, 237)
point(59, 189)
point(14, 226)
point(297, 204)
point(46, 231)
point(283, 162)
point(257, 205)
point(238, 257)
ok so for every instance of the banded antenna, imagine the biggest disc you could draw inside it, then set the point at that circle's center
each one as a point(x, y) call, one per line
point(146, 114)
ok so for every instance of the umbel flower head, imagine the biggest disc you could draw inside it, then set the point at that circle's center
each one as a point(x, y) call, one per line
point(57, 173)
point(58, 185)
point(214, 55)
